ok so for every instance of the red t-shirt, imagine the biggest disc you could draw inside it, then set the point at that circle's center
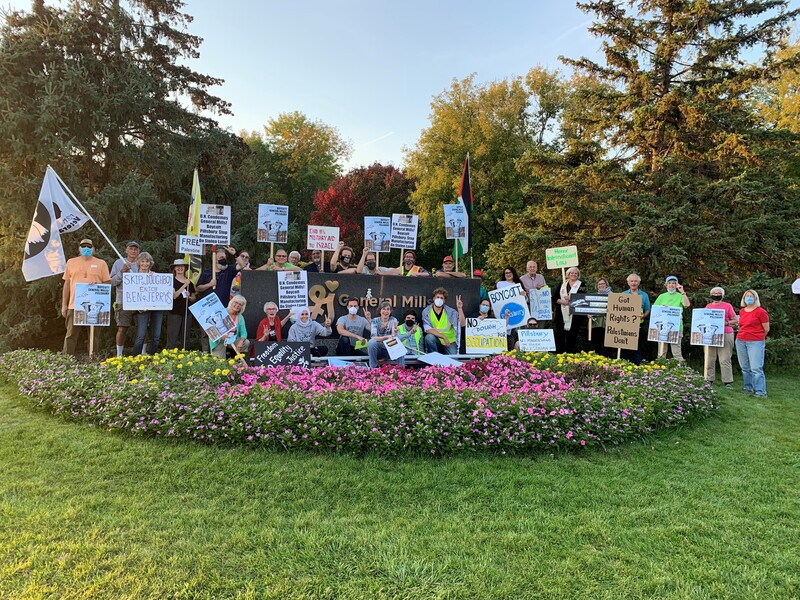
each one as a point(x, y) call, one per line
point(264, 325)
point(751, 327)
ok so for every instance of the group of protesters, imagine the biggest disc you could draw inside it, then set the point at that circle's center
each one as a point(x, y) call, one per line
point(436, 329)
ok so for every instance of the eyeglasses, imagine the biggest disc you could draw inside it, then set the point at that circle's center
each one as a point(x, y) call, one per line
point(244, 256)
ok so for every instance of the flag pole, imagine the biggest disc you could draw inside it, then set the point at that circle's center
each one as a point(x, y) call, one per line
point(83, 208)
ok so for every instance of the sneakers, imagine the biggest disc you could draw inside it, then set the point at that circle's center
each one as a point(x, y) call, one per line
point(760, 395)
point(729, 386)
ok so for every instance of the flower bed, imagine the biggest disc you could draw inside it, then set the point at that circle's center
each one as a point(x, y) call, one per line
point(520, 402)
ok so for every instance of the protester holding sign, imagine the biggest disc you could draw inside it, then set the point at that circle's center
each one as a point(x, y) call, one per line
point(306, 330)
point(236, 338)
point(351, 328)
point(147, 320)
point(342, 259)
point(565, 326)
point(410, 267)
point(532, 280)
point(448, 269)
point(368, 265)
point(124, 318)
point(725, 353)
point(633, 282)
point(184, 294)
point(598, 324)
point(441, 325)
point(674, 296)
point(384, 327)
point(81, 269)
point(751, 343)
point(510, 277)
point(218, 281)
point(279, 263)
point(270, 329)
point(410, 333)
point(316, 263)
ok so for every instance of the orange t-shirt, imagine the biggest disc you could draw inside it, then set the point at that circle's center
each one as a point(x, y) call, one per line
point(81, 270)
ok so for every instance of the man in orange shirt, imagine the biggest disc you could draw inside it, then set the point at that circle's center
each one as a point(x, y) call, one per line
point(81, 269)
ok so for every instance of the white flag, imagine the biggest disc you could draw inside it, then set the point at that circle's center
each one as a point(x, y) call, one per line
point(68, 216)
point(44, 255)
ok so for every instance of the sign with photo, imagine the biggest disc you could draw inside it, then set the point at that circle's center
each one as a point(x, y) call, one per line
point(510, 298)
point(594, 305)
point(147, 291)
point(708, 327)
point(273, 223)
point(665, 324)
point(394, 347)
point(322, 238)
point(283, 354)
point(623, 319)
point(212, 316)
point(92, 304)
point(536, 340)
point(292, 289)
point(215, 224)
point(377, 233)
point(486, 336)
point(404, 232)
point(455, 221)
point(541, 304)
point(560, 258)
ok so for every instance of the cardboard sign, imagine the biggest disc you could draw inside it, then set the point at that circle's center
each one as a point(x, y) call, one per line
point(559, 258)
point(665, 324)
point(92, 304)
point(510, 298)
point(455, 221)
point(283, 354)
point(188, 244)
point(486, 336)
point(377, 233)
point(623, 318)
point(394, 347)
point(594, 305)
point(273, 223)
point(147, 291)
point(213, 317)
point(215, 224)
point(292, 290)
point(404, 232)
point(708, 327)
point(322, 238)
point(536, 340)
point(541, 304)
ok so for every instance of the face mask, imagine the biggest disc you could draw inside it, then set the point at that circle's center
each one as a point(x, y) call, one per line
point(749, 301)
point(346, 260)
point(484, 308)
point(439, 302)
point(410, 323)
point(408, 262)
point(353, 310)
point(86, 251)
point(716, 298)
point(672, 291)
point(371, 265)
point(222, 262)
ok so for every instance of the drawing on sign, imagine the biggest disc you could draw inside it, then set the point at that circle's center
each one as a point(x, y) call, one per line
point(588, 304)
point(510, 299)
point(377, 231)
point(454, 221)
point(665, 324)
point(708, 327)
point(212, 316)
point(273, 223)
point(92, 304)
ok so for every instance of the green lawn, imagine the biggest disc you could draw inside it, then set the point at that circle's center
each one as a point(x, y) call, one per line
point(711, 512)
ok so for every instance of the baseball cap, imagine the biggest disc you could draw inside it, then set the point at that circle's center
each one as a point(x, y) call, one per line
point(671, 278)
point(447, 259)
point(477, 273)
point(86, 242)
point(132, 244)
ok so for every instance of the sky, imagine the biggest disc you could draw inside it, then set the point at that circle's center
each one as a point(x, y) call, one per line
point(371, 68)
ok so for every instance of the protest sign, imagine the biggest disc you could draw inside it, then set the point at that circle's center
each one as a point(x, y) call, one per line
point(404, 232)
point(708, 327)
point(322, 238)
point(215, 224)
point(455, 219)
point(282, 354)
point(665, 324)
point(92, 304)
point(540, 304)
point(510, 298)
point(377, 232)
point(212, 316)
point(395, 348)
point(292, 289)
point(623, 318)
point(273, 223)
point(559, 258)
point(536, 340)
point(188, 244)
point(486, 336)
point(593, 305)
point(435, 359)
point(147, 291)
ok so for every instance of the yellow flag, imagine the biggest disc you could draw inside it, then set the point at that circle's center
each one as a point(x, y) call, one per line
point(193, 229)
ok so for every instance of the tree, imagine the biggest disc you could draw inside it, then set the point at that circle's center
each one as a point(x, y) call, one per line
point(374, 191)
point(100, 91)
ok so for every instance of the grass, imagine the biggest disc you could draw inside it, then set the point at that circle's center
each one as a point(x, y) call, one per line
point(710, 512)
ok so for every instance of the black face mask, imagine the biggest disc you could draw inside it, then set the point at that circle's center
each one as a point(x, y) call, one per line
point(410, 323)
point(371, 265)
point(716, 298)
point(346, 260)
point(222, 262)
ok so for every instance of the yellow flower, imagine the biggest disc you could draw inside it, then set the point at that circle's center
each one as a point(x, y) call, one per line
point(225, 371)
point(180, 366)
point(231, 361)
point(141, 367)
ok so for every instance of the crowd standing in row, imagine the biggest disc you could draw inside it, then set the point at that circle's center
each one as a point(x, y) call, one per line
point(437, 329)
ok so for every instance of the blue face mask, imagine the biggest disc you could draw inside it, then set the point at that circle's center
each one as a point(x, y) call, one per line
point(86, 251)
point(749, 301)
point(484, 308)
point(672, 291)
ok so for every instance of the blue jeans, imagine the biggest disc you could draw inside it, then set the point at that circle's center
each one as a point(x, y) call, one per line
point(153, 319)
point(433, 344)
point(377, 350)
point(751, 360)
